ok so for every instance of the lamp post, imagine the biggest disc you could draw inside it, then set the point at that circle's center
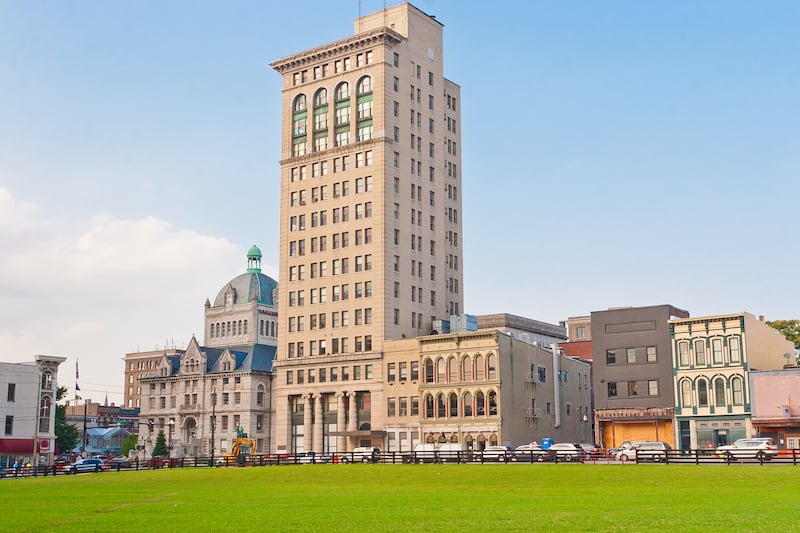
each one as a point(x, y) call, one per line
point(213, 423)
point(585, 419)
point(171, 425)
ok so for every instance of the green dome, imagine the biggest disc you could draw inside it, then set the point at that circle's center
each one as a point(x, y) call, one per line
point(254, 252)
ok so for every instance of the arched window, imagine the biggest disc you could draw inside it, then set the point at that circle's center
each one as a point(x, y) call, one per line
point(245, 327)
point(364, 110)
point(47, 380)
point(261, 327)
point(467, 404)
point(299, 103)
point(441, 411)
point(492, 363)
point(299, 117)
point(453, 405)
point(429, 406)
point(686, 393)
point(273, 329)
point(364, 86)
point(428, 371)
point(480, 369)
point(321, 120)
point(342, 92)
point(321, 98)
point(452, 366)
point(700, 353)
point(211, 331)
point(260, 396)
point(441, 370)
point(44, 413)
point(702, 393)
point(737, 390)
point(719, 392)
point(480, 404)
point(492, 403)
point(466, 369)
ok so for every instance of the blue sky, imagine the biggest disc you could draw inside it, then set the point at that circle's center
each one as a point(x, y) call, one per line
point(614, 153)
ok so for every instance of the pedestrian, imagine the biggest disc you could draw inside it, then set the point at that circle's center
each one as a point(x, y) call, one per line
point(16, 468)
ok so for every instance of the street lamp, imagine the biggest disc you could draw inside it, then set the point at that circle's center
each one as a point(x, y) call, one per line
point(171, 425)
point(585, 419)
point(213, 423)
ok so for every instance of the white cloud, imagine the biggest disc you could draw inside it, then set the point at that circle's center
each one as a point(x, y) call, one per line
point(102, 288)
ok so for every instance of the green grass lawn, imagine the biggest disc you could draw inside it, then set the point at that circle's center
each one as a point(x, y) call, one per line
point(427, 498)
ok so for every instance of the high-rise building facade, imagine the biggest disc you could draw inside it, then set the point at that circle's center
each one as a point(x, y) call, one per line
point(370, 239)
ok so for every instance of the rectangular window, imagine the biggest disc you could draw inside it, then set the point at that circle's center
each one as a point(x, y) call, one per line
point(651, 354)
point(612, 389)
point(631, 355)
point(611, 357)
point(716, 347)
point(683, 353)
point(652, 387)
point(632, 388)
point(391, 407)
point(9, 425)
point(12, 392)
point(415, 406)
point(391, 372)
point(733, 349)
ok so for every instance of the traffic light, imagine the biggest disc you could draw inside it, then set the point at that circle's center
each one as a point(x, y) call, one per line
point(150, 426)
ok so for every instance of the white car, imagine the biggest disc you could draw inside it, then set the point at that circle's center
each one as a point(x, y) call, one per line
point(497, 453)
point(754, 448)
point(645, 451)
point(363, 454)
point(566, 451)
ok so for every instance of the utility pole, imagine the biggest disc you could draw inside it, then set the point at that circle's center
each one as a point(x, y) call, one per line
point(213, 422)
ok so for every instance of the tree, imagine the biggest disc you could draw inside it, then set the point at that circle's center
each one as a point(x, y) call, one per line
point(67, 436)
point(161, 444)
point(789, 329)
point(128, 444)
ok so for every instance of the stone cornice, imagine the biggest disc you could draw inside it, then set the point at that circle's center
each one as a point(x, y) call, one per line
point(362, 40)
point(313, 157)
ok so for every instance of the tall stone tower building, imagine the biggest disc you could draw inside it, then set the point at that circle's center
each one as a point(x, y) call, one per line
point(370, 240)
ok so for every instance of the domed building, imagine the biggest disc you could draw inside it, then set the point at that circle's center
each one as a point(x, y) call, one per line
point(228, 380)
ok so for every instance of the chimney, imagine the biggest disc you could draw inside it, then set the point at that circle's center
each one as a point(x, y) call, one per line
point(761, 318)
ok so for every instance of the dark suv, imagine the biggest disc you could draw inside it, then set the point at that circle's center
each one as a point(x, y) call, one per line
point(90, 464)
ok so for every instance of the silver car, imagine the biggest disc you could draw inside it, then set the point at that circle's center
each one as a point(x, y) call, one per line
point(90, 464)
point(754, 448)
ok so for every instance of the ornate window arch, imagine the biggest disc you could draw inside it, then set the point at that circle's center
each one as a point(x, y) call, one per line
point(480, 368)
point(441, 409)
point(441, 370)
point(453, 405)
point(429, 376)
point(702, 392)
point(453, 369)
point(467, 404)
point(719, 392)
point(480, 404)
point(737, 390)
point(429, 406)
point(491, 363)
point(299, 103)
point(364, 86)
point(466, 368)
point(492, 403)
point(686, 393)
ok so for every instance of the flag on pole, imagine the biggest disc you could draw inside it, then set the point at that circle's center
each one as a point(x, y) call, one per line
point(77, 392)
point(76, 370)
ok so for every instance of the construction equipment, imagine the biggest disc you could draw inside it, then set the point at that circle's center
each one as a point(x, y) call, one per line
point(243, 450)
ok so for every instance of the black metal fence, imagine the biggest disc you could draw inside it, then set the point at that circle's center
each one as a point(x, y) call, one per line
point(599, 456)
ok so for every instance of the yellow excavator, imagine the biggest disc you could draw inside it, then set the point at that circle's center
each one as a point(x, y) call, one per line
point(243, 450)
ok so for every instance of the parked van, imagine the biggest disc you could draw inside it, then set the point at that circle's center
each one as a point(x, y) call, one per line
point(451, 452)
point(363, 454)
point(423, 453)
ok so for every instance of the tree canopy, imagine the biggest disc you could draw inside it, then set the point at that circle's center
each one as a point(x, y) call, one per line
point(788, 328)
point(67, 436)
point(128, 444)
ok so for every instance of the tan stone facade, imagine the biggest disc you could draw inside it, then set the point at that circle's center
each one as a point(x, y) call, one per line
point(139, 365)
point(370, 240)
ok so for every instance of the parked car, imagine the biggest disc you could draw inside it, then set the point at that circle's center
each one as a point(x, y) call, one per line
point(118, 463)
point(645, 451)
point(590, 450)
point(566, 451)
point(450, 452)
point(363, 454)
point(531, 452)
point(612, 452)
point(423, 453)
point(753, 448)
point(311, 458)
point(497, 453)
point(90, 464)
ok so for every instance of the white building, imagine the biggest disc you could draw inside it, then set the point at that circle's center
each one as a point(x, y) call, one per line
point(27, 408)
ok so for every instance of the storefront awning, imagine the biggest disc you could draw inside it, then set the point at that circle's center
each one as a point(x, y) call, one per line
point(11, 446)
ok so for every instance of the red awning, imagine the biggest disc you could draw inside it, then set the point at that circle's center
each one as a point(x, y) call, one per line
point(22, 446)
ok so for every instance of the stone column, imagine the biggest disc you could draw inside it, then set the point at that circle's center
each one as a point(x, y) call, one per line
point(341, 441)
point(353, 423)
point(307, 437)
point(318, 424)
